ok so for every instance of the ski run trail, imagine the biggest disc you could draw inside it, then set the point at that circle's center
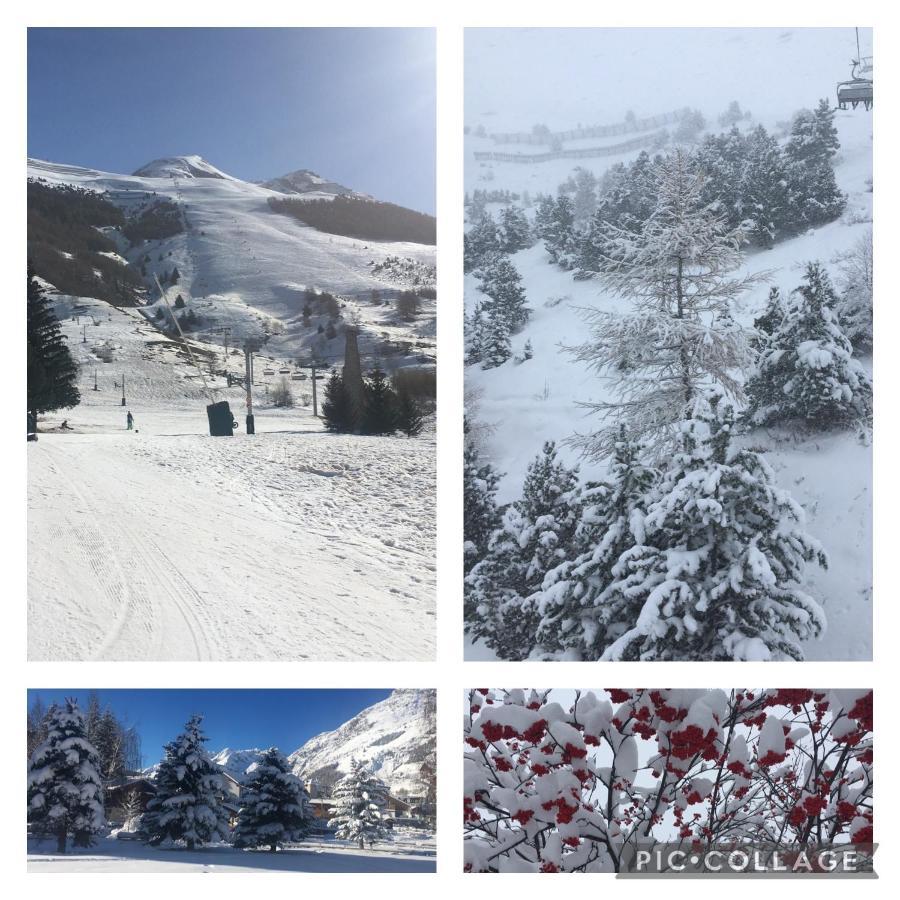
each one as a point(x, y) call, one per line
point(166, 544)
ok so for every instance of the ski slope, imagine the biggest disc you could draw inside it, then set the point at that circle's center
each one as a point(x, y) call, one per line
point(245, 267)
point(520, 406)
point(166, 544)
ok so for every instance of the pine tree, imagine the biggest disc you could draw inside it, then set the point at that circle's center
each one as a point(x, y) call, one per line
point(766, 324)
point(543, 216)
point(337, 407)
point(717, 574)
point(359, 800)
point(807, 372)
point(500, 281)
point(560, 238)
point(678, 336)
point(814, 138)
point(187, 805)
point(534, 536)
point(274, 806)
point(480, 241)
point(475, 325)
point(480, 514)
point(577, 616)
point(495, 345)
point(584, 198)
point(514, 232)
point(65, 790)
point(52, 373)
point(379, 405)
point(764, 188)
point(409, 415)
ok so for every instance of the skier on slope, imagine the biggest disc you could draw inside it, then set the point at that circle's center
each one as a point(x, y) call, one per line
point(129, 419)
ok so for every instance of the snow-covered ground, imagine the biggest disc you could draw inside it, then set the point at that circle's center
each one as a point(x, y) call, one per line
point(409, 851)
point(523, 405)
point(165, 543)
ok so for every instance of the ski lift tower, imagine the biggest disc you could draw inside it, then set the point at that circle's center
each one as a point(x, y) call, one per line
point(251, 346)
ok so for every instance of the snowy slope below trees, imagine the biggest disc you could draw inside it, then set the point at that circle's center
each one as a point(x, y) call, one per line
point(523, 405)
point(164, 543)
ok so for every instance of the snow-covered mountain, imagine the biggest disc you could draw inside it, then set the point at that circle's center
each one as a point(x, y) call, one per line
point(392, 737)
point(306, 182)
point(247, 268)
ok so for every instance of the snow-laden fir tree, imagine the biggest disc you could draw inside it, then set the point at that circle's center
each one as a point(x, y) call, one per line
point(480, 513)
point(764, 189)
point(814, 138)
point(496, 348)
point(534, 536)
point(543, 216)
point(337, 407)
point(578, 618)
point(678, 336)
point(479, 241)
point(501, 283)
point(560, 239)
point(718, 573)
point(358, 803)
point(65, 790)
point(768, 321)
point(806, 372)
point(474, 326)
point(513, 232)
point(187, 806)
point(856, 283)
point(274, 806)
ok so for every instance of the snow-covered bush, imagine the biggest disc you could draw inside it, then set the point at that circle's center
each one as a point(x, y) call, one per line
point(553, 787)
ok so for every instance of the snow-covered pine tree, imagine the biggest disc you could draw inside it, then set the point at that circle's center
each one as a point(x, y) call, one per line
point(856, 292)
point(479, 241)
point(807, 373)
point(495, 348)
point(500, 281)
point(718, 574)
point(584, 198)
point(337, 407)
point(65, 790)
point(814, 138)
point(577, 618)
point(763, 188)
point(187, 805)
point(534, 536)
point(409, 418)
point(514, 232)
point(480, 514)
point(474, 327)
point(274, 806)
point(560, 238)
point(768, 322)
point(543, 216)
point(359, 800)
point(678, 337)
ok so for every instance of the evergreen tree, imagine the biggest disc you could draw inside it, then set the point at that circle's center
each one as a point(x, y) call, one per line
point(179, 302)
point(52, 372)
point(766, 324)
point(854, 307)
point(543, 216)
point(337, 407)
point(409, 415)
point(480, 241)
point(500, 281)
point(677, 276)
point(533, 537)
point(475, 326)
point(578, 618)
point(495, 345)
point(717, 574)
point(379, 415)
point(514, 232)
point(187, 805)
point(814, 138)
point(560, 239)
point(584, 197)
point(274, 806)
point(65, 791)
point(359, 800)
point(480, 514)
point(763, 189)
point(807, 372)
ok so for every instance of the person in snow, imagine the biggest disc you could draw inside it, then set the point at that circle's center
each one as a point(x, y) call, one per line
point(129, 419)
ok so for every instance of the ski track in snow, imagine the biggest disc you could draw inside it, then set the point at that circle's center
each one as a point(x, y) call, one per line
point(165, 544)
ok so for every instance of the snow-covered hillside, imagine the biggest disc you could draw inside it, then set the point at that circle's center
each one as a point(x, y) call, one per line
point(245, 267)
point(522, 404)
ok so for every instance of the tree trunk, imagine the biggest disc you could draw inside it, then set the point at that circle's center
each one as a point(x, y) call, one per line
point(273, 847)
point(683, 351)
point(61, 841)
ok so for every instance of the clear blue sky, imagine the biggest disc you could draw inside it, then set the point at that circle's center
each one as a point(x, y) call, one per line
point(355, 105)
point(240, 719)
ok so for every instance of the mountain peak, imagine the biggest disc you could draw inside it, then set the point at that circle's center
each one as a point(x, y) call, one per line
point(191, 166)
point(305, 181)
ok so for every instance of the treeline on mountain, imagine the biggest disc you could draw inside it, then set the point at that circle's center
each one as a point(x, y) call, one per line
point(65, 246)
point(155, 223)
point(360, 218)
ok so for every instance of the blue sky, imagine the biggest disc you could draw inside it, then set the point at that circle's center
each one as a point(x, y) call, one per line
point(355, 105)
point(240, 719)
